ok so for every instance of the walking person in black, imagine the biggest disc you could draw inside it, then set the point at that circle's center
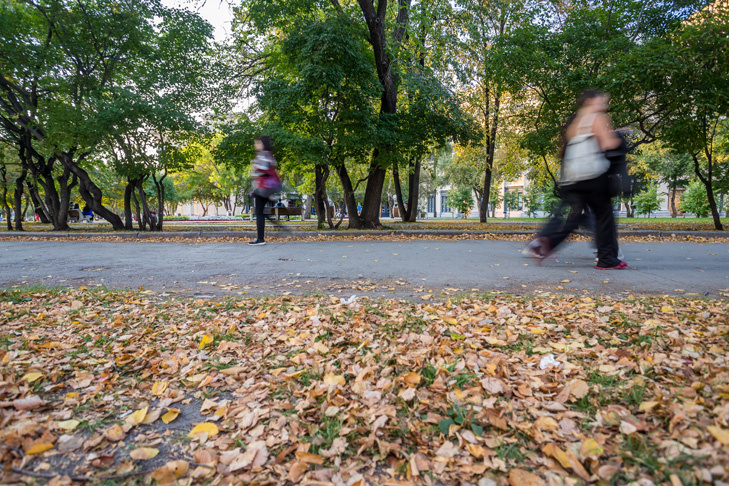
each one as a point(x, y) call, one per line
point(585, 182)
point(266, 183)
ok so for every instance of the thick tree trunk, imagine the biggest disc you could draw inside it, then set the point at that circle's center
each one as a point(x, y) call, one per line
point(321, 173)
point(90, 192)
point(707, 181)
point(674, 213)
point(128, 191)
point(18, 199)
point(307, 206)
point(375, 19)
point(483, 212)
point(6, 206)
point(349, 199)
point(39, 207)
point(413, 191)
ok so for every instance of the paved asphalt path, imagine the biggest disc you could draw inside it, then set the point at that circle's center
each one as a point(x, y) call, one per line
point(378, 268)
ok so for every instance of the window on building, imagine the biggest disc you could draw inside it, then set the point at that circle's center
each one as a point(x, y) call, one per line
point(431, 204)
point(519, 201)
point(444, 203)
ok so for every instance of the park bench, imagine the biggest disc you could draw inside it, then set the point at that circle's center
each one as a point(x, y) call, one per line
point(284, 211)
point(76, 216)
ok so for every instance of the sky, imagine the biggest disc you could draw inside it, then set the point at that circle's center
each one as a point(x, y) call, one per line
point(217, 12)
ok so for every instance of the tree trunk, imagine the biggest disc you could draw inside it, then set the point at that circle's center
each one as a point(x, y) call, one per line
point(18, 199)
point(146, 214)
point(128, 192)
point(674, 213)
point(90, 192)
point(38, 207)
point(140, 223)
point(349, 199)
point(161, 199)
point(708, 184)
point(321, 173)
point(307, 206)
point(6, 206)
point(398, 191)
point(414, 191)
point(375, 19)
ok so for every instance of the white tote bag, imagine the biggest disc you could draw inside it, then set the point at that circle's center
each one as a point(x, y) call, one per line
point(583, 159)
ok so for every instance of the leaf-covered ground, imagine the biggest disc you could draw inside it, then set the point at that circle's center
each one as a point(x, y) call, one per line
point(124, 387)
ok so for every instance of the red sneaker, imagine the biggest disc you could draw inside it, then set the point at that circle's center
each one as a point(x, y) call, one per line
point(619, 266)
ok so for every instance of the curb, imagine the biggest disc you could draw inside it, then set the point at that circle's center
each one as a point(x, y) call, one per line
point(307, 234)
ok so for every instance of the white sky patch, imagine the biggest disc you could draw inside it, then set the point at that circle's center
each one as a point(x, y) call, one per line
point(217, 12)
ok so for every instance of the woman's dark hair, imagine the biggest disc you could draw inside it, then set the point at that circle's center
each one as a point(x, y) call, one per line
point(588, 94)
point(266, 141)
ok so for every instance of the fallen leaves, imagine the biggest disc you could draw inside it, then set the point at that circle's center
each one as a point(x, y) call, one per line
point(316, 391)
point(207, 428)
point(144, 453)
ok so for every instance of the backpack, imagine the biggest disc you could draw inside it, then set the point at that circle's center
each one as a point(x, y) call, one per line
point(583, 160)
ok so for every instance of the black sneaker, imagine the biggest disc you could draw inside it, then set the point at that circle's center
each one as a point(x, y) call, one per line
point(257, 242)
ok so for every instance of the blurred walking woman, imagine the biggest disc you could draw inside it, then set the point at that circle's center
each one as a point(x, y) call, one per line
point(266, 183)
point(584, 182)
point(584, 177)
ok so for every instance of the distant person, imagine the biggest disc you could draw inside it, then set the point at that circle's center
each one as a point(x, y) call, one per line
point(87, 213)
point(585, 183)
point(266, 183)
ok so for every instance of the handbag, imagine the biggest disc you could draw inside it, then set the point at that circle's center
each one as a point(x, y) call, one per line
point(583, 160)
point(269, 184)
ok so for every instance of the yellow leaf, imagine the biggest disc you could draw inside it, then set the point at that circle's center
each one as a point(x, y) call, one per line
point(666, 308)
point(565, 281)
point(137, 417)
point(204, 428)
point(31, 377)
point(332, 379)
point(68, 425)
point(411, 378)
point(159, 388)
point(171, 415)
point(39, 448)
point(536, 330)
point(645, 406)
point(719, 434)
point(144, 453)
point(71, 395)
point(591, 448)
point(450, 320)
point(206, 339)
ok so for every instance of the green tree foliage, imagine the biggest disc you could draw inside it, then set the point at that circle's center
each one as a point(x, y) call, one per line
point(76, 74)
point(647, 202)
point(671, 168)
point(532, 199)
point(461, 199)
point(694, 200)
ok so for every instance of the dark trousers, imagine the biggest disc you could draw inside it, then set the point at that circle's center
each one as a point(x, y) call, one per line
point(260, 203)
point(594, 195)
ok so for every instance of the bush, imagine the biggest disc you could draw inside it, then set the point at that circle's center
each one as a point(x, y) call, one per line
point(695, 200)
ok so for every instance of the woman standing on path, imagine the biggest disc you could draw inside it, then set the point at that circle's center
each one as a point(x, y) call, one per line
point(584, 179)
point(266, 183)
